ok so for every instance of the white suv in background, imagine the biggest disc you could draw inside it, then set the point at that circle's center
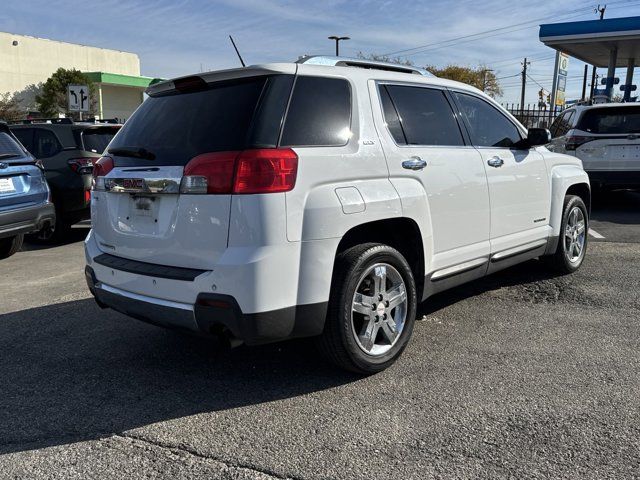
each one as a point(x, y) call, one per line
point(321, 198)
point(606, 138)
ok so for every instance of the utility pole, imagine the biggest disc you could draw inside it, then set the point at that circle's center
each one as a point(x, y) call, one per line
point(524, 82)
point(601, 11)
point(337, 39)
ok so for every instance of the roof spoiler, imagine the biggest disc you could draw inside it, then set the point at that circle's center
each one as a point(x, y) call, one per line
point(362, 63)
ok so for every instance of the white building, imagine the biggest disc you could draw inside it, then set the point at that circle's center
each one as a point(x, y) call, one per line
point(26, 61)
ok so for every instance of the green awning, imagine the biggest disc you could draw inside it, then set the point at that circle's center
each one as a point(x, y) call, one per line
point(120, 80)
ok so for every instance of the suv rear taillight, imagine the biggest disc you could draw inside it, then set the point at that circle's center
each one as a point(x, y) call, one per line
point(101, 168)
point(265, 170)
point(574, 141)
point(81, 166)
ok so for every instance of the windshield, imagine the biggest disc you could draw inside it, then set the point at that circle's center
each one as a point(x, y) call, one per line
point(225, 116)
point(618, 120)
point(96, 139)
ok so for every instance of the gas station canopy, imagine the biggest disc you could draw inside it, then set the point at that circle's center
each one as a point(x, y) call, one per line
point(592, 41)
point(610, 43)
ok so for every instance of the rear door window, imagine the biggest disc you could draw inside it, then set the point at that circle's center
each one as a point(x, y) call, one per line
point(319, 113)
point(612, 120)
point(45, 143)
point(488, 126)
point(218, 117)
point(426, 116)
point(391, 118)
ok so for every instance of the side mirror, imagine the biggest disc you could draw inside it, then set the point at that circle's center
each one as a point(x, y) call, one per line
point(538, 136)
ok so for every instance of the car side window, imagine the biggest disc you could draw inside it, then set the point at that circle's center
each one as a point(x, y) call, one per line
point(45, 143)
point(425, 116)
point(391, 117)
point(488, 127)
point(319, 113)
point(562, 124)
point(25, 135)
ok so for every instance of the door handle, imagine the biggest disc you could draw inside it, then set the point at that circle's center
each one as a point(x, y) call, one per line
point(495, 162)
point(414, 163)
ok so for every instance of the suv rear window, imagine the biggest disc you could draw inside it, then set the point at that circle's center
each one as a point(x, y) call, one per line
point(8, 146)
point(96, 139)
point(611, 120)
point(176, 127)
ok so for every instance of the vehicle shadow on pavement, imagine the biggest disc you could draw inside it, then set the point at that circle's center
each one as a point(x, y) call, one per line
point(76, 234)
point(618, 206)
point(72, 372)
point(528, 272)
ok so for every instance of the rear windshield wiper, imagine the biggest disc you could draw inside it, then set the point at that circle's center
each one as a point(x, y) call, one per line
point(135, 152)
point(9, 155)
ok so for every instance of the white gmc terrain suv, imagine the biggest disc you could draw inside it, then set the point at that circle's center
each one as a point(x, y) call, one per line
point(321, 198)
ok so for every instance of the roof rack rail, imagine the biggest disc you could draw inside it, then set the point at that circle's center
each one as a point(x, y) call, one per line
point(59, 121)
point(362, 63)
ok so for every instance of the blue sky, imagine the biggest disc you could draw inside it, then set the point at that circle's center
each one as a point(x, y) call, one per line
point(177, 37)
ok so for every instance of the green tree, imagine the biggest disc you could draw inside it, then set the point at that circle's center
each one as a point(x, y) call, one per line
point(9, 108)
point(53, 99)
point(480, 77)
point(384, 58)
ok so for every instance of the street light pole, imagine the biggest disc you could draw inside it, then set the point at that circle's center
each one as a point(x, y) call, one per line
point(337, 39)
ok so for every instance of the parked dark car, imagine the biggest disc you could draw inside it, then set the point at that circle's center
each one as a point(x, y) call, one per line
point(25, 199)
point(67, 150)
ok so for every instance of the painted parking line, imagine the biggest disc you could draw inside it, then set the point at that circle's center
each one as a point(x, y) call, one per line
point(595, 234)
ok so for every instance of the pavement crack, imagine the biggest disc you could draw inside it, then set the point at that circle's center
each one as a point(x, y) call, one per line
point(193, 452)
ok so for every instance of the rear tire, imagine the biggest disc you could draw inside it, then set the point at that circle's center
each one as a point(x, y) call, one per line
point(10, 245)
point(572, 244)
point(372, 309)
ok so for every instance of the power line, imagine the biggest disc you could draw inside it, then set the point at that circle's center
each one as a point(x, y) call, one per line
point(493, 32)
point(508, 27)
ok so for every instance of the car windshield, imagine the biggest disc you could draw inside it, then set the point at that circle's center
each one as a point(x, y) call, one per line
point(96, 139)
point(616, 120)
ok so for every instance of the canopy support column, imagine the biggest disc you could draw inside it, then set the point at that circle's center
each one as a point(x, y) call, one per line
point(611, 72)
point(629, 80)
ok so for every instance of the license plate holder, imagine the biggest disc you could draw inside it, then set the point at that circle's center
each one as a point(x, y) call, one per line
point(143, 206)
point(6, 185)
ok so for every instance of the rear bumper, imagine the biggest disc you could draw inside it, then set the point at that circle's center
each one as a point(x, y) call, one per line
point(26, 220)
point(615, 178)
point(212, 314)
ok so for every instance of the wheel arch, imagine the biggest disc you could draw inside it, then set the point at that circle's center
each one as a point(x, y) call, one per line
point(582, 190)
point(401, 233)
point(567, 180)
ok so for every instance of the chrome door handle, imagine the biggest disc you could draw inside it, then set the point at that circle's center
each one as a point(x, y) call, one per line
point(414, 163)
point(495, 162)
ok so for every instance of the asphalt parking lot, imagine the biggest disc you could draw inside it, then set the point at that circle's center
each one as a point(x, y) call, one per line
point(521, 375)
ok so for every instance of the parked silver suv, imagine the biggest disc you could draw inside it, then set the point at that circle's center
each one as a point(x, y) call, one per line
point(25, 199)
point(606, 138)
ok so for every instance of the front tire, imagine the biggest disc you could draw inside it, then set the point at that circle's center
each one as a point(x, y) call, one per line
point(572, 244)
point(10, 245)
point(372, 309)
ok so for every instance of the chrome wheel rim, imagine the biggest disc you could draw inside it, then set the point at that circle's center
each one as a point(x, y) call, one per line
point(379, 309)
point(575, 234)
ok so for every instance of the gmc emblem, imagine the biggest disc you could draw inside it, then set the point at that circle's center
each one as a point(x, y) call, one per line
point(133, 183)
